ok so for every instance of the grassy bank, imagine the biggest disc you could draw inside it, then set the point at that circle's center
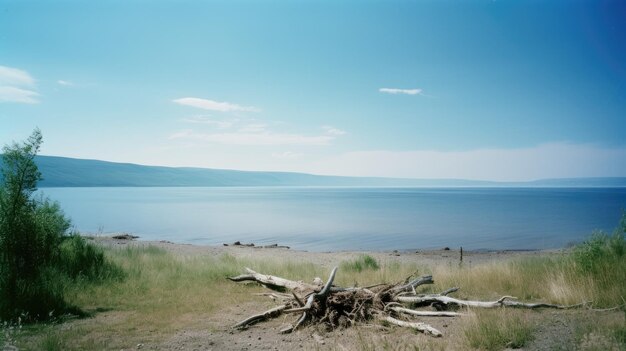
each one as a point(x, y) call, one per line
point(165, 293)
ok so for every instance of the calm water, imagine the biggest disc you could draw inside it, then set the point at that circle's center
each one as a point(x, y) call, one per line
point(323, 219)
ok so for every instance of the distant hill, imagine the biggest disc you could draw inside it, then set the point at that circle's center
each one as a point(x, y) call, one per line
point(71, 172)
point(602, 182)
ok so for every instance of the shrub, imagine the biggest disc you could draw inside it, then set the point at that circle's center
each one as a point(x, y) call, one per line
point(601, 250)
point(37, 257)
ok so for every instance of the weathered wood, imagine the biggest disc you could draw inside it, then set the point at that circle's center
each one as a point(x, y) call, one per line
point(426, 313)
point(503, 301)
point(423, 327)
point(337, 307)
point(410, 286)
point(325, 290)
point(271, 313)
point(300, 303)
point(366, 290)
point(274, 282)
point(449, 291)
point(306, 307)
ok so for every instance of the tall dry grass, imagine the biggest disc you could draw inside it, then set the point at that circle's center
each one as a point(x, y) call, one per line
point(164, 293)
point(591, 272)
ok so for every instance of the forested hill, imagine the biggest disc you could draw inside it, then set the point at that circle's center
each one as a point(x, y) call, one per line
point(71, 172)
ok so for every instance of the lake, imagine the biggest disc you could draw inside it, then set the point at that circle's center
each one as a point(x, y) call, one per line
point(333, 219)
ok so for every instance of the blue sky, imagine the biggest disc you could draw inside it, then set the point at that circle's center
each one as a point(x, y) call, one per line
point(499, 90)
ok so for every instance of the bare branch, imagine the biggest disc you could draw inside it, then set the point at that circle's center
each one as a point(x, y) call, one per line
point(410, 286)
point(503, 301)
point(271, 313)
point(426, 313)
point(423, 327)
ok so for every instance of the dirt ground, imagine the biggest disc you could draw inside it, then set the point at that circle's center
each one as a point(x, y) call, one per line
point(557, 331)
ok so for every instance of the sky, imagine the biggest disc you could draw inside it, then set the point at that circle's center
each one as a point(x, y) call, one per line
point(491, 90)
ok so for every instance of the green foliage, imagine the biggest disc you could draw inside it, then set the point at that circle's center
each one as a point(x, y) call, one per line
point(80, 259)
point(37, 258)
point(363, 262)
point(601, 251)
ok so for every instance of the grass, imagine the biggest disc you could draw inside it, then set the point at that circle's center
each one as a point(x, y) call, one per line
point(601, 335)
point(497, 329)
point(591, 272)
point(361, 263)
point(164, 293)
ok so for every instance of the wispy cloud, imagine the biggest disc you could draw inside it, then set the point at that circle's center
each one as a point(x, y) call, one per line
point(15, 77)
point(16, 86)
point(13, 94)
point(220, 124)
point(400, 91)
point(333, 131)
point(65, 83)
point(214, 105)
point(254, 138)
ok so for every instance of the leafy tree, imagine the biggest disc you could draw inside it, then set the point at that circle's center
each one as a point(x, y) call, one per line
point(37, 256)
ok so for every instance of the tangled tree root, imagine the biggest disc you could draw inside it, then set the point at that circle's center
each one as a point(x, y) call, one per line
point(337, 307)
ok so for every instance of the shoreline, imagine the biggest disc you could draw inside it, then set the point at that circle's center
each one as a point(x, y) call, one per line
point(327, 258)
point(274, 245)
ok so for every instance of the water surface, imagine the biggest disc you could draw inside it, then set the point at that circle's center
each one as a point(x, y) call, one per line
point(330, 218)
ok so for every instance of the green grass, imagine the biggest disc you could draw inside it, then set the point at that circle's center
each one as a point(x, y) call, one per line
point(51, 342)
point(361, 263)
point(497, 329)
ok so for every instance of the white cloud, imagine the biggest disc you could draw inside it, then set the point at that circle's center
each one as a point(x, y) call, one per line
point(13, 94)
point(16, 86)
point(333, 131)
point(220, 124)
point(254, 138)
point(553, 160)
point(15, 77)
point(214, 105)
point(65, 83)
point(401, 91)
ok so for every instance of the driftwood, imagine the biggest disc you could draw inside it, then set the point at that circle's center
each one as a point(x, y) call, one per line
point(426, 313)
point(423, 327)
point(341, 307)
point(503, 301)
point(271, 313)
point(273, 282)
